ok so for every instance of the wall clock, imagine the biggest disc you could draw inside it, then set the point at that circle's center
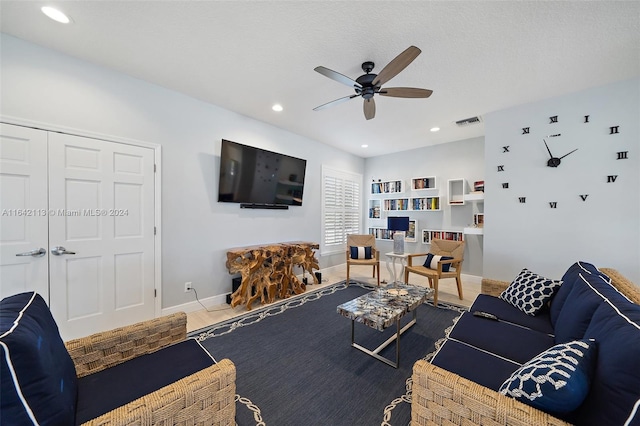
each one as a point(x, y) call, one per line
point(558, 160)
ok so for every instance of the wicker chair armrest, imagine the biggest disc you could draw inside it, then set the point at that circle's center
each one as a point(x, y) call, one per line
point(103, 350)
point(411, 256)
point(442, 397)
point(493, 287)
point(206, 397)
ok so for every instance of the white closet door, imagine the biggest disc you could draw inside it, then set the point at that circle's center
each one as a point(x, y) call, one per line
point(23, 211)
point(103, 196)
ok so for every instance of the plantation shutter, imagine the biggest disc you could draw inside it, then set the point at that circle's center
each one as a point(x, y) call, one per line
point(341, 208)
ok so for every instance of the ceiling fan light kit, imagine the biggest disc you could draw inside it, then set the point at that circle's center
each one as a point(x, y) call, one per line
point(368, 84)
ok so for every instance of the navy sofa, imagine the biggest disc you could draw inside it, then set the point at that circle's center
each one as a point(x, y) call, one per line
point(146, 373)
point(465, 381)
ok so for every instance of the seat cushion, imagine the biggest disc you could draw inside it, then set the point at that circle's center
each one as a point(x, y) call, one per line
point(530, 292)
point(108, 389)
point(557, 380)
point(39, 384)
point(510, 341)
point(507, 312)
point(614, 397)
point(476, 365)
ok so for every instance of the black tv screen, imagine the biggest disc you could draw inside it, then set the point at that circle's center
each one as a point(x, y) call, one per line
point(257, 176)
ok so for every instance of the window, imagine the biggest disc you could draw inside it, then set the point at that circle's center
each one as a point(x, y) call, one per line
point(341, 212)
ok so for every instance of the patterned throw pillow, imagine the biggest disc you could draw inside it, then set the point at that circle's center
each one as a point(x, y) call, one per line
point(557, 380)
point(530, 292)
point(432, 262)
point(360, 252)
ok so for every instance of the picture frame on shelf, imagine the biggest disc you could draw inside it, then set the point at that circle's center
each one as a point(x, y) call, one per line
point(410, 236)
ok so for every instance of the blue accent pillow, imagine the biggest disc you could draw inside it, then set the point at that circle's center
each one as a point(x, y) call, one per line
point(530, 292)
point(432, 262)
point(360, 252)
point(39, 383)
point(557, 380)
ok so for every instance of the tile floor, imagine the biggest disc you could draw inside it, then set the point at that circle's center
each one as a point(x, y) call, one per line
point(447, 292)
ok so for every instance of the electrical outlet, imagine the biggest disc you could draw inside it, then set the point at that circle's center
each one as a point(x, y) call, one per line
point(187, 286)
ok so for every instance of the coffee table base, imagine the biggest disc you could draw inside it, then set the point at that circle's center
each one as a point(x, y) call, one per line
point(396, 337)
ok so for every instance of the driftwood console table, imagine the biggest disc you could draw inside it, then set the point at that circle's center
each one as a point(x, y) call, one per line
point(267, 270)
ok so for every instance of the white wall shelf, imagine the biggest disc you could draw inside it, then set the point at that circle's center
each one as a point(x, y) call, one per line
point(387, 187)
point(456, 191)
point(424, 204)
point(424, 183)
point(375, 209)
point(442, 234)
point(473, 230)
point(474, 196)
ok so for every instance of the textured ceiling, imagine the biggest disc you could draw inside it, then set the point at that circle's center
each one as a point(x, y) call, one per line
point(477, 56)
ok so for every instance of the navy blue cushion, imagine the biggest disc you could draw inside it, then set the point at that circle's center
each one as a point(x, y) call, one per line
point(568, 279)
point(588, 292)
point(530, 292)
point(507, 312)
point(614, 398)
point(360, 252)
point(557, 380)
point(108, 389)
point(510, 341)
point(464, 360)
point(39, 384)
point(432, 262)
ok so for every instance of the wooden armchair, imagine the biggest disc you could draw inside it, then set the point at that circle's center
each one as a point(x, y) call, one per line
point(355, 240)
point(454, 249)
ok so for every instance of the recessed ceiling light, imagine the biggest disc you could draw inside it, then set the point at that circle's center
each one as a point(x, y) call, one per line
point(435, 129)
point(277, 107)
point(55, 14)
point(364, 145)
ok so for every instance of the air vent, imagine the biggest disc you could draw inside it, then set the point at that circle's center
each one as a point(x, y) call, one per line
point(468, 121)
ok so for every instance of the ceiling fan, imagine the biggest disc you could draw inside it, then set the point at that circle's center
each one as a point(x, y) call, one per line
point(368, 85)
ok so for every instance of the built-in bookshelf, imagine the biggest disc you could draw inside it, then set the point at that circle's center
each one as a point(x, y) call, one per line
point(430, 234)
point(387, 187)
point(456, 191)
point(423, 183)
point(425, 204)
point(375, 207)
point(395, 204)
point(386, 234)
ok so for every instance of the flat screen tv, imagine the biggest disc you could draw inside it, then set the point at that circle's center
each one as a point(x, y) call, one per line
point(257, 177)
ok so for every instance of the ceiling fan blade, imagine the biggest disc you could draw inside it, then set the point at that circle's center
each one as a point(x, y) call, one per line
point(405, 92)
point(335, 102)
point(340, 78)
point(369, 108)
point(398, 63)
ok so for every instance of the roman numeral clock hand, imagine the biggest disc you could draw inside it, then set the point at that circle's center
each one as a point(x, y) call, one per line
point(553, 161)
point(569, 153)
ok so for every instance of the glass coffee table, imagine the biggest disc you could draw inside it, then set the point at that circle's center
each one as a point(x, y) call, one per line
point(379, 310)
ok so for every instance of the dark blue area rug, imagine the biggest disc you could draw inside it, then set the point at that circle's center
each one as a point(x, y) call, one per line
point(295, 364)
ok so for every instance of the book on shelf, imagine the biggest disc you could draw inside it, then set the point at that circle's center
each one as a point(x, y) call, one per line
point(478, 185)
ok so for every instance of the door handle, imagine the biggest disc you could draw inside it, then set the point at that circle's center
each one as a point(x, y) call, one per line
point(35, 253)
point(59, 251)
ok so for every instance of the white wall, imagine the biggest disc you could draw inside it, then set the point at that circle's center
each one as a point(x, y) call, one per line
point(460, 159)
point(604, 229)
point(44, 86)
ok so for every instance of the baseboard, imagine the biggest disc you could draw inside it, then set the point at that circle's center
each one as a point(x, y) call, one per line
point(471, 279)
point(209, 302)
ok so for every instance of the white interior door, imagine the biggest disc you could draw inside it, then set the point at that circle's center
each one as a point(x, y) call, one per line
point(101, 235)
point(23, 211)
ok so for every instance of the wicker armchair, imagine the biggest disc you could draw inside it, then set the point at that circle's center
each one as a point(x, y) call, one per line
point(354, 240)
point(205, 397)
point(440, 397)
point(454, 249)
